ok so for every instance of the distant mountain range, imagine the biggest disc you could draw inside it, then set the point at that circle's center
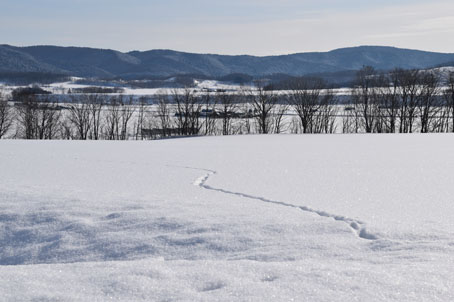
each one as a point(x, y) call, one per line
point(102, 63)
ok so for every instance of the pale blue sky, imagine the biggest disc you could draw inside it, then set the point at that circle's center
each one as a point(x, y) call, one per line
point(256, 27)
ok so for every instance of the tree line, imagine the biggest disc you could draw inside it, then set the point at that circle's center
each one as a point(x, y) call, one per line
point(400, 101)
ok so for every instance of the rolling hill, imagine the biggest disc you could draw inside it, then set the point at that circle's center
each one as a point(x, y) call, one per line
point(102, 63)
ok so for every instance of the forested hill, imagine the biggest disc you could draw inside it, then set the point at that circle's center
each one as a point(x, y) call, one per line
point(91, 62)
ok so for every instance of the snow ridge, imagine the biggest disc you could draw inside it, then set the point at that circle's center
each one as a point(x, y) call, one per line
point(357, 226)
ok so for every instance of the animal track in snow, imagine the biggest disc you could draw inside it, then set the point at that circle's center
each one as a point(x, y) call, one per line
point(357, 226)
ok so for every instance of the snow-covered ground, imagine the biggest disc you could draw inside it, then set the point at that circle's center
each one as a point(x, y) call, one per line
point(201, 87)
point(241, 218)
point(60, 89)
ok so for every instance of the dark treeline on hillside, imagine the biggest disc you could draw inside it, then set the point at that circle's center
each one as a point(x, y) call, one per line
point(27, 78)
point(333, 79)
point(401, 101)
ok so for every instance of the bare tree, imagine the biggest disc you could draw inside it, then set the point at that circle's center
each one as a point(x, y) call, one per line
point(6, 116)
point(327, 113)
point(164, 113)
point(27, 110)
point(95, 106)
point(389, 101)
point(247, 114)
point(79, 115)
point(278, 117)
point(448, 95)
point(112, 119)
point(126, 112)
point(49, 119)
point(428, 102)
point(264, 103)
point(38, 118)
point(188, 111)
point(364, 96)
point(305, 99)
point(408, 81)
point(227, 110)
point(140, 118)
point(348, 120)
point(209, 113)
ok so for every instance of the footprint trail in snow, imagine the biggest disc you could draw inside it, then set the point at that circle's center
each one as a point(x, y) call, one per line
point(357, 226)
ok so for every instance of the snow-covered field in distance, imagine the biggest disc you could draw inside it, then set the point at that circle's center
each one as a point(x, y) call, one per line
point(61, 88)
point(202, 86)
point(210, 86)
point(240, 218)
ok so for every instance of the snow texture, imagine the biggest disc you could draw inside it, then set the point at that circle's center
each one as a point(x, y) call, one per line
point(241, 218)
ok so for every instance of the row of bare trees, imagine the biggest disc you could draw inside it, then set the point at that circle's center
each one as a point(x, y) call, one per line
point(314, 104)
point(401, 101)
point(220, 113)
point(89, 116)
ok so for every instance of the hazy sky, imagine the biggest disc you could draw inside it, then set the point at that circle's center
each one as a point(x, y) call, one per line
point(258, 27)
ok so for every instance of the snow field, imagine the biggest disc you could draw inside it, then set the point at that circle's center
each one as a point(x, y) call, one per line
point(246, 218)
